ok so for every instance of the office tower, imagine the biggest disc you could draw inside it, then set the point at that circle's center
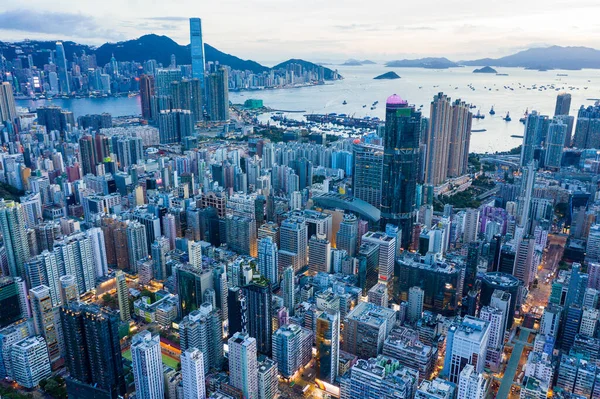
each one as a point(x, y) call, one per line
point(243, 367)
point(347, 236)
point(123, 296)
point(159, 250)
point(466, 343)
point(577, 284)
point(400, 168)
point(319, 254)
point(44, 320)
point(241, 235)
point(471, 384)
point(293, 241)
point(267, 379)
point(8, 111)
point(147, 366)
point(328, 345)
point(61, 63)
point(87, 154)
point(197, 50)
point(191, 286)
point(76, 253)
point(192, 370)
point(570, 327)
point(12, 223)
point(524, 268)
point(587, 130)
point(99, 250)
point(30, 363)
point(258, 299)
point(136, 243)
point(146, 93)
point(536, 128)
point(387, 251)
point(415, 303)
point(365, 329)
point(563, 104)
point(557, 132)
point(471, 225)
point(92, 349)
point(437, 140)
point(202, 329)
point(69, 292)
point(268, 260)
point(174, 125)
point(9, 302)
point(292, 348)
point(217, 95)
point(366, 175)
point(288, 288)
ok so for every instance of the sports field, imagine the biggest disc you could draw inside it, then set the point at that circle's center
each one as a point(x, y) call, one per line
point(167, 360)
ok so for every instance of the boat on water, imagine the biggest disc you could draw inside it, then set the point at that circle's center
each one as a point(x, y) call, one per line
point(376, 102)
point(472, 106)
point(365, 106)
point(479, 115)
point(525, 115)
point(478, 130)
point(492, 112)
point(372, 108)
point(345, 102)
point(507, 117)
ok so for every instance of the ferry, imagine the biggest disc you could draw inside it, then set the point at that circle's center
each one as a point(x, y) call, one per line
point(492, 112)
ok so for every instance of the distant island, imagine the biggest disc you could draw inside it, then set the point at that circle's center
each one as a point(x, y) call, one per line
point(486, 69)
point(353, 62)
point(431, 63)
point(388, 75)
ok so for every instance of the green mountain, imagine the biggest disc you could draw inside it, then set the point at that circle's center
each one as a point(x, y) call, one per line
point(329, 74)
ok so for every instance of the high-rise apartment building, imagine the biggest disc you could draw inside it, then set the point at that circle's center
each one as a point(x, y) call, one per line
point(8, 111)
point(258, 297)
point(45, 321)
point(471, 384)
point(319, 254)
point(192, 370)
point(268, 260)
point(9, 302)
point(292, 348)
point(293, 242)
point(365, 329)
point(146, 93)
point(12, 224)
point(563, 104)
point(366, 174)
point(460, 139)
point(328, 345)
point(30, 363)
point(347, 236)
point(147, 366)
point(243, 367)
point(202, 329)
point(123, 296)
point(415, 303)
point(217, 95)
point(288, 289)
point(437, 140)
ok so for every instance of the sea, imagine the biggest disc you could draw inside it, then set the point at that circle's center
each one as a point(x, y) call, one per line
point(515, 91)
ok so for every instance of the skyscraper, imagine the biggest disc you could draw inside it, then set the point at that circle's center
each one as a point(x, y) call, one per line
point(293, 241)
point(328, 345)
point(563, 104)
point(437, 140)
point(258, 296)
point(88, 155)
point(44, 321)
point(347, 236)
point(587, 130)
point(123, 296)
point(8, 111)
point(243, 367)
point(460, 139)
point(366, 175)
point(192, 370)
point(471, 384)
point(267, 379)
point(415, 303)
point(9, 301)
point(61, 63)
point(471, 225)
point(536, 130)
point(197, 49)
point(288, 289)
point(92, 349)
point(147, 366)
point(136, 243)
point(319, 254)
point(69, 292)
point(467, 343)
point(292, 348)
point(557, 132)
point(400, 166)
point(217, 95)
point(268, 260)
point(29, 359)
point(12, 223)
point(202, 329)
point(146, 93)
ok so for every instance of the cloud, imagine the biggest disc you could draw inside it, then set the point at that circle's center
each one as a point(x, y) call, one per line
point(170, 19)
point(416, 28)
point(362, 27)
point(59, 23)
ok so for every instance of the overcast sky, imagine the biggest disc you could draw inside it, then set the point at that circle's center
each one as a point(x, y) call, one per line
point(320, 30)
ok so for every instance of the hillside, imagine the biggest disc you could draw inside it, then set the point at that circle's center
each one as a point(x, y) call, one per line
point(429, 62)
point(305, 65)
point(554, 57)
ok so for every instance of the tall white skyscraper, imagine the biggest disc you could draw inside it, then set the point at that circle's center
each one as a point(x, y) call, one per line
point(387, 251)
point(243, 367)
point(471, 384)
point(415, 303)
point(195, 250)
point(319, 254)
point(30, 363)
point(192, 369)
point(44, 321)
point(466, 343)
point(288, 289)
point(75, 252)
point(147, 366)
point(268, 259)
point(267, 379)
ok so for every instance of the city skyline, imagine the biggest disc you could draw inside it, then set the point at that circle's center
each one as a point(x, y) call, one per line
point(321, 34)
